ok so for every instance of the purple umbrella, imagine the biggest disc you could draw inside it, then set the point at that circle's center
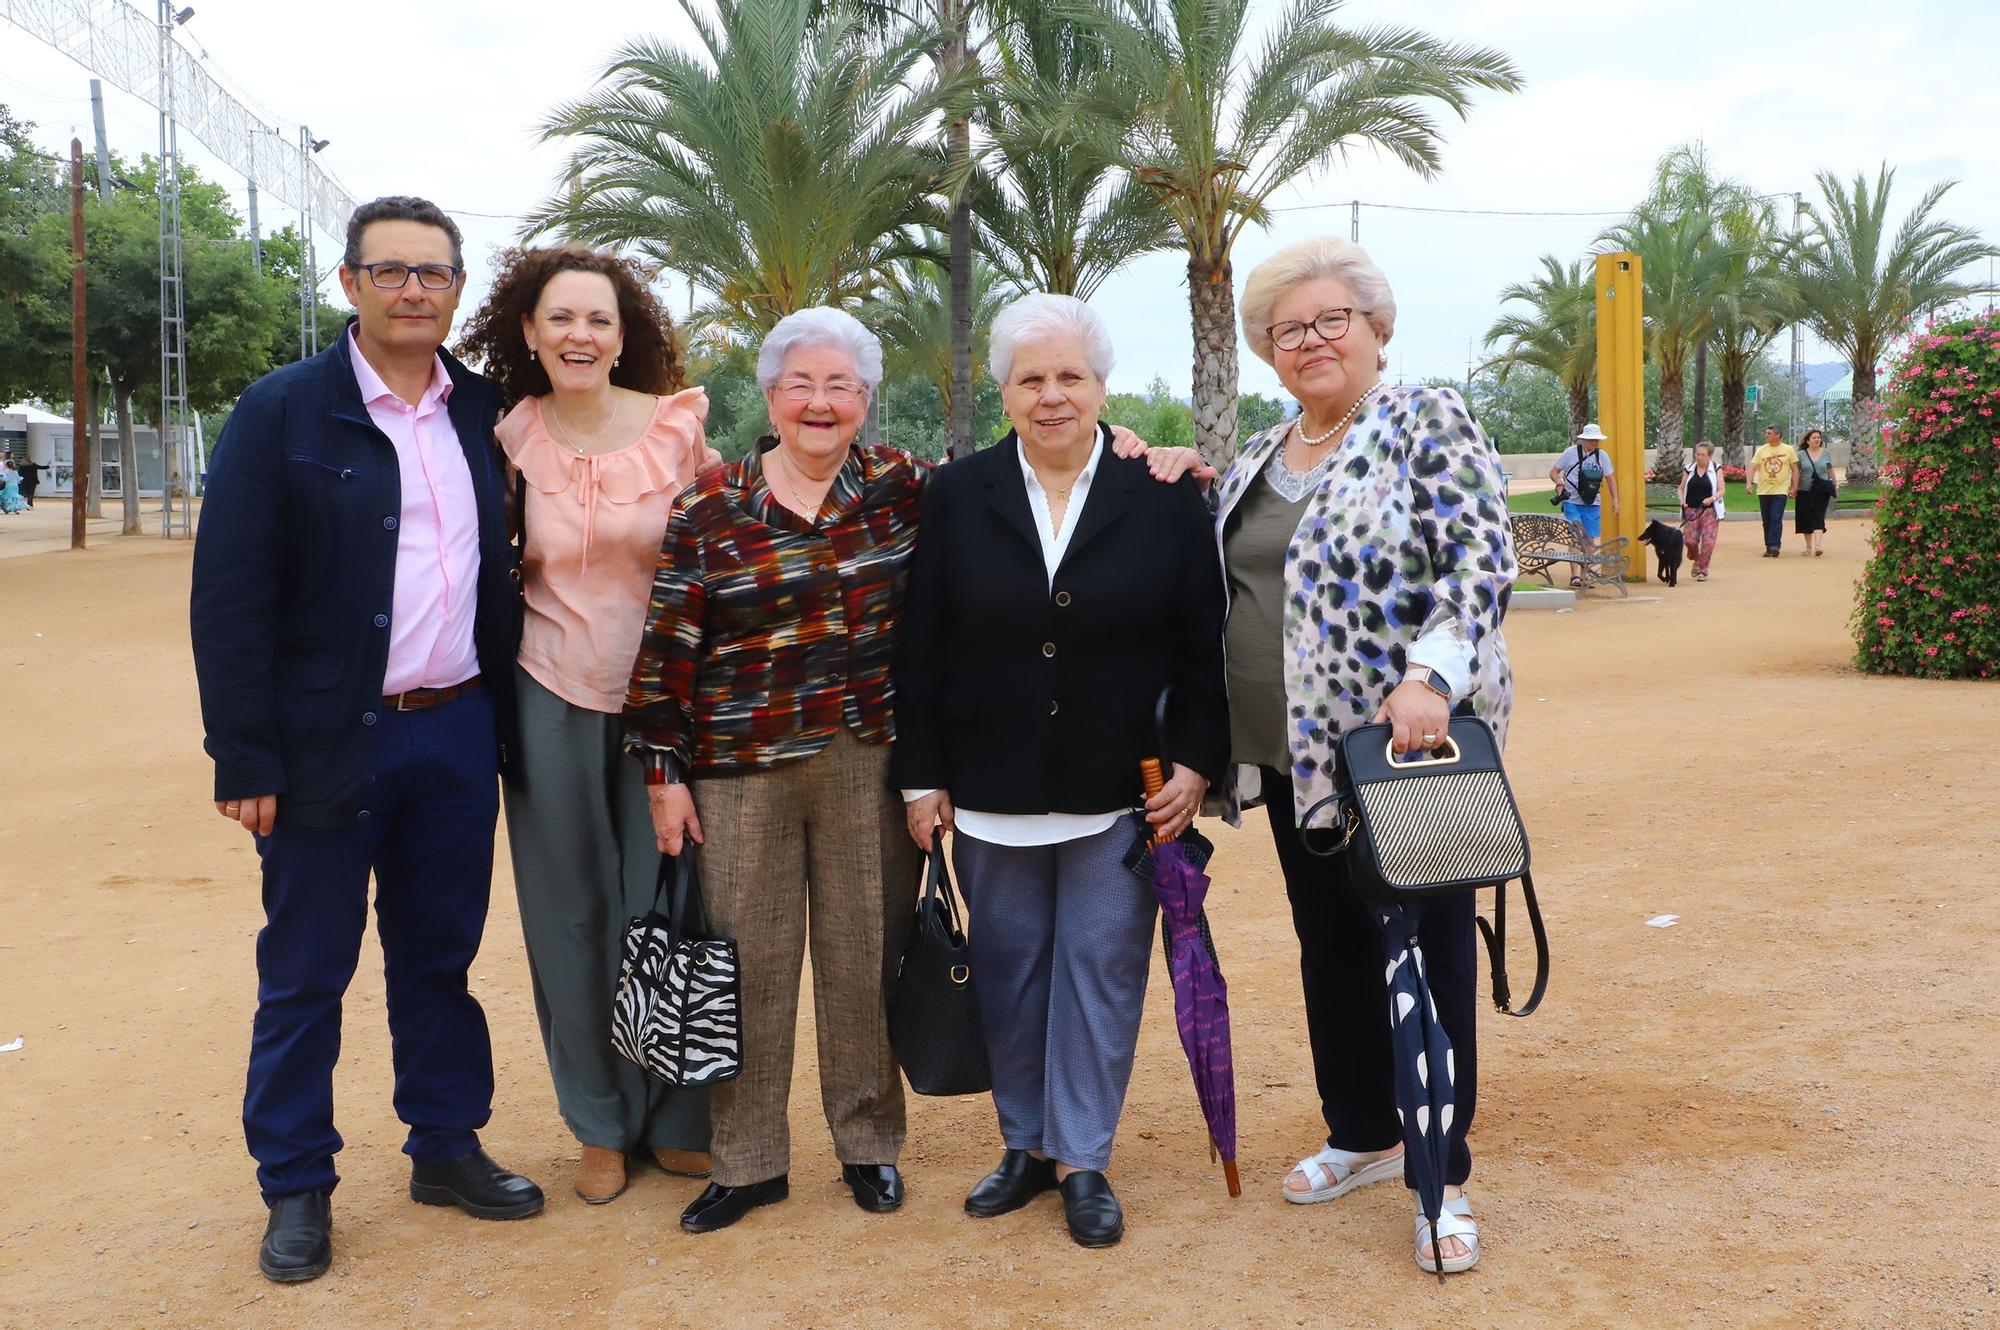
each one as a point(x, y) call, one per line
point(1201, 998)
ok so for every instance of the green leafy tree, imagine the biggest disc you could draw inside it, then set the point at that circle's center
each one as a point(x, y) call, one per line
point(1860, 284)
point(1157, 416)
point(1929, 603)
point(1256, 413)
point(1526, 409)
point(784, 164)
point(1214, 126)
point(1556, 332)
point(34, 332)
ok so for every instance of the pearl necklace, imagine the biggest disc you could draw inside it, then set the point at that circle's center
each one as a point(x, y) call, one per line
point(1340, 427)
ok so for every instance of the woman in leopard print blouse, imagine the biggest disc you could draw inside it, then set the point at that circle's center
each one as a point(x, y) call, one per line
point(1369, 564)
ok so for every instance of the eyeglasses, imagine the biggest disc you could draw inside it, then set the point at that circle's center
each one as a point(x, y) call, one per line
point(1330, 324)
point(840, 392)
point(396, 276)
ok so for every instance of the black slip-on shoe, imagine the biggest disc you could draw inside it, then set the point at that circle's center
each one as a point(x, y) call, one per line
point(1020, 1178)
point(877, 1188)
point(298, 1238)
point(719, 1206)
point(476, 1185)
point(1094, 1215)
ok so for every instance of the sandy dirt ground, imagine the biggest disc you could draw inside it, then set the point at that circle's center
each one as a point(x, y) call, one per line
point(1780, 1112)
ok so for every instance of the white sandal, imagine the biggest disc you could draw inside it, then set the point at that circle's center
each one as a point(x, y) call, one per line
point(1455, 1222)
point(1334, 1173)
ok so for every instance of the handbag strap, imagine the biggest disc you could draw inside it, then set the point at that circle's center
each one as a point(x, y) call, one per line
point(680, 868)
point(937, 883)
point(1495, 934)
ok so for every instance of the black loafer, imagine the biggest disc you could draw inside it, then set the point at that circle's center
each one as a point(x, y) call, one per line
point(877, 1188)
point(476, 1185)
point(719, 1206)
point(1020, 1178)
point(298, 1240)
point(1094, 1215)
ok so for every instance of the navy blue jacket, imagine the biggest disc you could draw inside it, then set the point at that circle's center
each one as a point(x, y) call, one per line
point(294, 580)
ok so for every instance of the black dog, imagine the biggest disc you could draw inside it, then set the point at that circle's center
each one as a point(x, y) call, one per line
point(1669, 545)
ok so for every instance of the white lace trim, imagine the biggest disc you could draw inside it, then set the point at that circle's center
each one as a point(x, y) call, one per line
point(1295, 485)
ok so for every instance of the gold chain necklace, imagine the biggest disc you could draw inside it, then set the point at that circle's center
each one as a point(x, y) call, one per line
point(549, 407)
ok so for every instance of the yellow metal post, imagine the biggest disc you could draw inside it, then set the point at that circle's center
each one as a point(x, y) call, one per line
point(1621, 394)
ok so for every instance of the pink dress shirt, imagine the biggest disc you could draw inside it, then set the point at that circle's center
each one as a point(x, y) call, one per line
point(437, 536)
point(594, 526)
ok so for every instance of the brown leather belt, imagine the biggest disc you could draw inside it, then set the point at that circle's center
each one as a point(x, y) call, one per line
point(423, 699)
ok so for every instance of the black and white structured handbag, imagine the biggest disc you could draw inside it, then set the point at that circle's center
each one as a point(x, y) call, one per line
point(1429, 824)
point(678, 1012)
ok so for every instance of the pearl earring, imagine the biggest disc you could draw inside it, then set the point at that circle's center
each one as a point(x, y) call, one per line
point(616, 361)
point(532, 355)
point(1381, 360)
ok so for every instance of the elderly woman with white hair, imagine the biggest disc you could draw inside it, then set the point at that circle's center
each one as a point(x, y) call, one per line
point(1369, 564)
point(1054, 592)
point(760, 700)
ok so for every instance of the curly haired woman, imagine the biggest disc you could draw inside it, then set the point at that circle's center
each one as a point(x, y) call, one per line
point(601, 437)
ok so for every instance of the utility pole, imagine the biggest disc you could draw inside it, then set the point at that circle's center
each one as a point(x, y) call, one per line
point(173, 303)
point(1797, 383)
point(79, 368)
point(103, 143)
point(256, 237)
point(308, 253)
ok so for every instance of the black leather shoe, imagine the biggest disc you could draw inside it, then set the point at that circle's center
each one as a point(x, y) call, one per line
point(1020, 1178)
point(719, 1206)
point(476, 1185)
point(298, 1244)
point(877, 1188)
point(1094, 1215)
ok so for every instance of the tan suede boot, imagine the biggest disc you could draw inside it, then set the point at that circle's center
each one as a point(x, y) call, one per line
point(600, 1177)
point(684, 1163)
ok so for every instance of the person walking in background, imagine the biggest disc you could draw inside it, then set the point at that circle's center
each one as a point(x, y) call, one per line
point(354, 637)
point(1583, 477)
point(10, 490)
point(1773, 477)
point(1701, 506)
point(602, 437)
point(1816, 491)
point(31, 479)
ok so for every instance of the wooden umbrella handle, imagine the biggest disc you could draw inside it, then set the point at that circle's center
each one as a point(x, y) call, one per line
point(1155, 780)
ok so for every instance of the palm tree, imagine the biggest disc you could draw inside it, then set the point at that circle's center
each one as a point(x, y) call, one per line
point(1752, 303)
point(1054, 213)
point(1214, 130)
point(789, 168)
point(1859, 286)
point(912, 314)
point(1557, 333)
point(1685, 181)
point(1684, 265)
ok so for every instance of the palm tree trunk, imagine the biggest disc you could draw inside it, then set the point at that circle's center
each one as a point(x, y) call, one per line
point(128, 458)
point(1732, 419)
point(1701, 392)
point(1865, 434)
point(1579, 407)
point(958, 151)
point(1672, 385)
point(1212, 304)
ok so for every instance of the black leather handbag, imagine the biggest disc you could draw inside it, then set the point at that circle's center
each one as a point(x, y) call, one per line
point(934, 1016)
point(1433, 823)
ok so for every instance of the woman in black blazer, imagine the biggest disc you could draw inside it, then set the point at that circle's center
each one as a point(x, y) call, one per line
point(1054, 591)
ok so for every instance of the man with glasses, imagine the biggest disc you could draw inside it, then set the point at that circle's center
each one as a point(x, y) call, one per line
point(354, 635)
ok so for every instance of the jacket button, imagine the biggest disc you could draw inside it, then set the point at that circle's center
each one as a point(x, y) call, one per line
point(388, 524)
point(1048, 648)
point(367, 718)
point(1054, 707)
point(362, 815)
point(1062, 598)
point(381, 621)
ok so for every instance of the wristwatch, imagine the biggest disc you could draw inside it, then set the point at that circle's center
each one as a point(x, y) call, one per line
point(1429, 678)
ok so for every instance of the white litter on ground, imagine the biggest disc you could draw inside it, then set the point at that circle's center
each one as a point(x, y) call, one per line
point(1663, 921)
point(14, 1047)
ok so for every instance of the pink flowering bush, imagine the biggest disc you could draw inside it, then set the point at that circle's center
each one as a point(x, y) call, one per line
point(1929, 603)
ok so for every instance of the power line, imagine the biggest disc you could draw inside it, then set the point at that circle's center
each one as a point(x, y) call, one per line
point(1456, 212)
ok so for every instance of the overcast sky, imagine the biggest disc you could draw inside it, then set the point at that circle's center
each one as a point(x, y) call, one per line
point(1778, 89)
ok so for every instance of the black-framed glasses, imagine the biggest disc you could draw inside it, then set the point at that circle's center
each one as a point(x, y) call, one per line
point(396, 276)
point(1330, 324)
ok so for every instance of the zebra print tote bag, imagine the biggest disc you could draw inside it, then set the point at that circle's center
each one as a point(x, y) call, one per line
point(1433, 823)
point(678, 1012)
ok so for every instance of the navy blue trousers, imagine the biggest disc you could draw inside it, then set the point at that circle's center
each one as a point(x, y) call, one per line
point(1771, 507)
point(1344, 968)
point(427, 836)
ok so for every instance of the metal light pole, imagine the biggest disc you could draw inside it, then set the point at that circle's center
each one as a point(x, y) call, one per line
point(173, 303)
point(308, 252)
point(1798, 220)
